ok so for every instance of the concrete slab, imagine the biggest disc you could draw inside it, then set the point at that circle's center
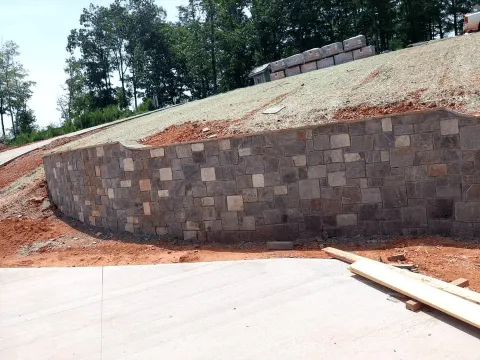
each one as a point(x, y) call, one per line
point(262, 309)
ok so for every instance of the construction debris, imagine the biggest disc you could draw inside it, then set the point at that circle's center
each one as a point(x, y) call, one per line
point(396, 257)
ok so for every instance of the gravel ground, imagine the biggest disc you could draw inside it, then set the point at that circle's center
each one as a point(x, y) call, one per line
point(444, 73)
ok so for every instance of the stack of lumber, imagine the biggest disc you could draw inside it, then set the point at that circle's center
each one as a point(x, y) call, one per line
point(461, 303)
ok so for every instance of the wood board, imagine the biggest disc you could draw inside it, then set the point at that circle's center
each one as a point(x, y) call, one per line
point(443, 301)
point(436, 283)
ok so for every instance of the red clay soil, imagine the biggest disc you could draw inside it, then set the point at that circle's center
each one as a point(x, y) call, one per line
point(192, 131)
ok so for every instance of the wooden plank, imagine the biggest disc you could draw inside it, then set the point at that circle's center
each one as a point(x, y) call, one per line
point(448, 303)
point(436, 283)
point(414, 305)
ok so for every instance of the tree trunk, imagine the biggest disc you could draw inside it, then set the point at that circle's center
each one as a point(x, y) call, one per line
point(454, 12)
point(14, 129)
point(212, 36)
point(134, 83)
point(1, 116)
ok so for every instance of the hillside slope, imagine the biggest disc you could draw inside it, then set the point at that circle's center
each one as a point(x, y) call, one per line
point(442, 73)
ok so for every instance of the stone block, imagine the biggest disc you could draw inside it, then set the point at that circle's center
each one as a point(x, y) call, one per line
point(249, 195)
point(470, 137)
point(355, 170)
point(100, 151)
point(325, 63)
point(248, 223)
point(437, 170)
point(277, 75)
point(163, 193)
point(190, 235)
point(422, 141)
point(364, 52)
point(332, 49)
point(212, 225)
point(183, 151)
point(384, 156)
point(321, 142)
point(472, 193)
point(292, 71)
point(346, 220)
point(356, 42)
point(440, 208)
point(333, 156)
point(343, 58)
point(340, 140)
point(166, 174)
point(467, 212)
point(278, 65)
point(145, 185)
point(126, 183)
point(254, 164)
point(415, 173)
point(313, 54)
point(448, 186)
point(208, 201)
point(208, 174)
point(265, 194)
point(402, 141)
point(351, 195)
point(229, 220)
point(273, 216)
point(351, 157)
point(309, 189)
point(98, 172)
point(367, 212)
point(309, 66)
point(402, 129)
point(317, 172)
point(258, 180)
point(197, 147)
point(402, 157)
point(394, 197)
point(110, 194)
point(127, 165)
point(414, 216)
point(224, 144)
point(280, 245)
point(373, 126)
point(337, 178)
point(362, 143)
point(387, 125)
point(155, 153)
point(244, 182)
point(371, 196)
point(280, 190)
point(294, 60)
point(235, 203)
point(383, 141)
point(299, 160)
point(449, 127)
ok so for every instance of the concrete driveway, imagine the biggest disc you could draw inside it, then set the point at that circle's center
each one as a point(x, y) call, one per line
point(263, 309)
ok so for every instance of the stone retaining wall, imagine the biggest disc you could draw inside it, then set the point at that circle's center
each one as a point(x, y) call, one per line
point(408, 174)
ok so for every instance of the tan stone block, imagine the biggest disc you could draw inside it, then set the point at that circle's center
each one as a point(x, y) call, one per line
point(387, 125)
point(385, 155)
point(129, 228)
point(126, 183)
point(95, 213)
point(75, 198)
point(166, 174)
point(299, 160)
point(128, 164)
point(351, 157)
point(402, 141)
point(248, 223)
point(339, 141)
point(280, 190)
point(208, 201)
point(145, 185)
point(258, 180)
point(224, 144)
point(160, 152)
point(88, 203)
point(81, 217)
point(162, 193)
point(208, 174)
point(198, 147)
point(449, 127)
point(97, 171)
point(146, 208)
point(244, 152)
point(110, 193)
point(92, 220)
point(100, 151)
point(235, 203)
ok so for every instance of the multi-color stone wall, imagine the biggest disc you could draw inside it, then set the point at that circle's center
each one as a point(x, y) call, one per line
point(416, 173)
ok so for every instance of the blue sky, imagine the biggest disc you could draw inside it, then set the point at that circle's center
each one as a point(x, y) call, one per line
point(40, 28)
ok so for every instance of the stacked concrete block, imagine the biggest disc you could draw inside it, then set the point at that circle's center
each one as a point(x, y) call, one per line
point(292, 71)
point(364, 52)
point(343, 58)
point(310, 66)
point(294, 60)
point(325, 63)
point(353, 43)
point(411, 174)
point(313, 54)
point(332, 49)
point(277, 75)
point(277, 66)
